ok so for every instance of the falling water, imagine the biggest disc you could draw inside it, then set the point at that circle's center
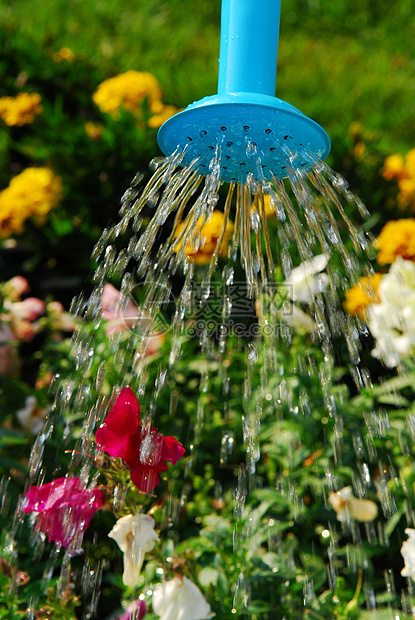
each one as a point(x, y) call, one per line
point(239, 308)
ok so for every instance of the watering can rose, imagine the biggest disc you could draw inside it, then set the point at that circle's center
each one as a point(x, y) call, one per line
point(64, 508)
point(144, 450)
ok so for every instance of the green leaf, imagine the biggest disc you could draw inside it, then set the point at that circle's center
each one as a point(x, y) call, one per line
point(9, 463)
point(393, 522)
point(9, 436)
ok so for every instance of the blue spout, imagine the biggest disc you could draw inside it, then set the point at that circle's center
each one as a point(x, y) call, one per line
point(249, 46)
point(245, 107)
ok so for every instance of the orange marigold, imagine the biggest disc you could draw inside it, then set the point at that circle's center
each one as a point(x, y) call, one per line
point(127, 90)
point(204, 238)
point(362, 294)
point(32, 193)
point(20, 110)
point(397, 238)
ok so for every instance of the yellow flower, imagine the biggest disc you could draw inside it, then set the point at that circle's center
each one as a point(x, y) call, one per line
point(355, 129)
point(410, 163)
point(362, 294)
point(406, 191)
point(162, 114)
point(269, 208)
point(94, 130)
point(403, 171)
point(20, 110)
point(64, 54)
point(397, 238)
point(32, 193)
point(201, 246)
point(359, 150)
point(127, 90)
point(393, 168)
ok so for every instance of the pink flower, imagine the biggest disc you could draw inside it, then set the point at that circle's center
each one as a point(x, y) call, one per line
point(119, 319)
point(60, 320)
point(155, 342)
point(129, 317)
point(16, 287)
point(65, 508)
point(27, 310)
point(135, 611)
point(144, 450)
point(22, 315)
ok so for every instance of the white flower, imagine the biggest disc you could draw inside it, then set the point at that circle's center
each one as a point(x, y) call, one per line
point(392, 321)
point(180, 599)
point(31, 417)
point(306, 281)
point(135, 535)
point(346, 506)
point(298, 319)
point(408, 554)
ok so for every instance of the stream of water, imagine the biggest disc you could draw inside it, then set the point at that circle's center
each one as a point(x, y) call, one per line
point(273, 266)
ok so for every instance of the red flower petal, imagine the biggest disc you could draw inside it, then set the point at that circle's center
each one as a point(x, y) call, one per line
point(172, 450)
point(146, 478)
point(145, 447)
point(121, 422)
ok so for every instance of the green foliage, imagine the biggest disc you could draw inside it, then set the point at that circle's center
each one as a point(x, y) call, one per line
point(275, 550)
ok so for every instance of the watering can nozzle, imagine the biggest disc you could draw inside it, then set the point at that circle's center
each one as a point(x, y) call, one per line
point(245, 108)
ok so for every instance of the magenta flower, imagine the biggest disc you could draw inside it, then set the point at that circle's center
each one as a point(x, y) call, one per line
point(65, 509)
point(144, 450)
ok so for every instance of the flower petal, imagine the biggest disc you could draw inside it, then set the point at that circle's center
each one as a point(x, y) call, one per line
point(180, 599)
point(65, 509)
point(47, 496)
point(363, 510)
point(120, 424)
point(146, 478)
point(67, 522)
point(135, 536)
point(172, 450)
